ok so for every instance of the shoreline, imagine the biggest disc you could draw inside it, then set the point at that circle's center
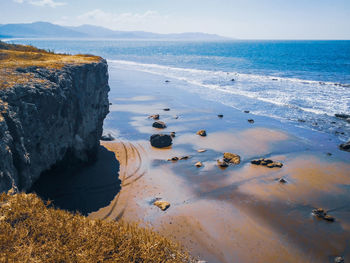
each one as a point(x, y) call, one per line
point(241, 213)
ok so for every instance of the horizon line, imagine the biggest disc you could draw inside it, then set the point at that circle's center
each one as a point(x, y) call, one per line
point(169, 33)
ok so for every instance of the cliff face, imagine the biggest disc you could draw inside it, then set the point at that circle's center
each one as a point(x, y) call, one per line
point(55, 119)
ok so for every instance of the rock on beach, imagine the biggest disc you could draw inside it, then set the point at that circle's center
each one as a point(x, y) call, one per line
point(161, 140)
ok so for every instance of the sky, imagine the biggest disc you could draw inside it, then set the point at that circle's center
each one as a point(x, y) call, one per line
point(244, 19)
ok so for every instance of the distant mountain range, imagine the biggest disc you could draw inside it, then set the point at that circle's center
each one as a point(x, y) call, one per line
point(49, 30)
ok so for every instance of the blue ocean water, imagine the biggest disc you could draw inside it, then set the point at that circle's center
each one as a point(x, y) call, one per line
point(305, 82)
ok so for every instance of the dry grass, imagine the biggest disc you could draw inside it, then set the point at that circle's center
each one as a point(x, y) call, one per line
point(21, 56)
point(30, 231)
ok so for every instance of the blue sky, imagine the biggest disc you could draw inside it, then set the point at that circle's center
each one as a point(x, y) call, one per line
point(246, 19)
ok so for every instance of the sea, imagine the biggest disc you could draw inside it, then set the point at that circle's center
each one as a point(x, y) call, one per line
point(304, 83)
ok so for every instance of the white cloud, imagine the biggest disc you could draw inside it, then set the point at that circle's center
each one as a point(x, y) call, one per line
point(123, 21)
point(50, 3)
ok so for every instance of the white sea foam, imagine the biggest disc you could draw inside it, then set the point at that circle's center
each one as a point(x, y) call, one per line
point(282, 98)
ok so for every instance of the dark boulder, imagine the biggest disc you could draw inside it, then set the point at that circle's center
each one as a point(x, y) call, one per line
point(251, 121)
point(159, 125)
point(342, 115)
point(345, 146)
point(107, 137)
point(161, 140)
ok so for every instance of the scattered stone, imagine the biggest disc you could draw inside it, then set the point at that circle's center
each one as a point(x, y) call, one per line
point(220, 115)
point(267, 162)
point(176, 117)
point(107, 137)
point(257, 162)
point(232, 158)
point(175, 159)
point(339, 260)
point(251, 121)
point(202, 133)
point(167, 81)
point(333, 122)
point(159, 125)
point(166, 109)
point(198, 164)
point(160, 140)
point(329, 154)
point(342, 115)
point(222, 163)
point(329, 218)
point(320, 213)
point(201, 150)
point(275, 164)
point(345, 146)
point(301, 120)
point(274, 79)
point(282, 181)
point(154, 117)
point(172, 134)
point(246, 111)
point(110, 103)
point(164, 205)
point(232, 79)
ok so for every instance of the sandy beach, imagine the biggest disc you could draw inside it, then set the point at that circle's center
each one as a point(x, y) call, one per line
point(239, 214)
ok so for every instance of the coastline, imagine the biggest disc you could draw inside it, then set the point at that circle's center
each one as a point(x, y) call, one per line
point(241, 213)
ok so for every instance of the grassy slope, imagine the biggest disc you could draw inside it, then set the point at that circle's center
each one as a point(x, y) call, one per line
point(20, 56)
point(30, 231)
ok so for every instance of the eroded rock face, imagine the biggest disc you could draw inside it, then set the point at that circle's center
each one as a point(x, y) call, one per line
point(44, 123)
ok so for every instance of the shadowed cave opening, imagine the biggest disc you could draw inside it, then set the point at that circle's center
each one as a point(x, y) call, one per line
point(83, 189)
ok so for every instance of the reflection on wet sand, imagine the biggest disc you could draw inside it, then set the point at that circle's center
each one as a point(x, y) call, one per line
point(250, 142)
point(238, 214)
point(241, 214)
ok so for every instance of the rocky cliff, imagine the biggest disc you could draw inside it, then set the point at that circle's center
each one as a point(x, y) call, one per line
point(53, 117)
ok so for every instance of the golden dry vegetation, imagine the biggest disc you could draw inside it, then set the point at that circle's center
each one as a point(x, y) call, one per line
point(13, 57)
point(31, 231)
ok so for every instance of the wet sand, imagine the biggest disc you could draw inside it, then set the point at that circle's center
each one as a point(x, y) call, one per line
point(238, 214)
point(242, 213)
